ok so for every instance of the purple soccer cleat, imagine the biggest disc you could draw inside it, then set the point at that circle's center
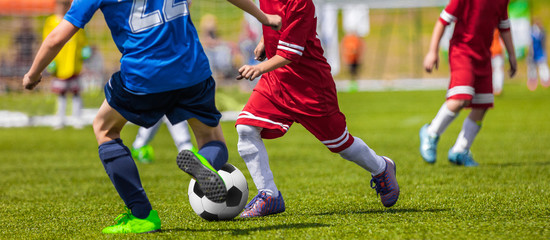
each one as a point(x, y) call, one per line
point(263, 205)
point(386, 185)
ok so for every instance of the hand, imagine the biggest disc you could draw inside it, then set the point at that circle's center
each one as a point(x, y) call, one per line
point(249, 72)
point(430, 61)
point(274, 21)
point(29, 81)
point(513, 67)
point(259, 51)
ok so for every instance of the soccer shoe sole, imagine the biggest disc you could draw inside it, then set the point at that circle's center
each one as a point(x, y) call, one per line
point(211, 184)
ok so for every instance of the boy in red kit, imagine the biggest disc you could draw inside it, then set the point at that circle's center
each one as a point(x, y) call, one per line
point(471, 74)
point(296, 86)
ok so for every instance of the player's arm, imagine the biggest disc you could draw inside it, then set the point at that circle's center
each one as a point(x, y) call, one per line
point(509, 44)
point(273, 21)
point(447, 16)
point(51, 46)
point(251, 72)
point(259, 51)
point(432, 57)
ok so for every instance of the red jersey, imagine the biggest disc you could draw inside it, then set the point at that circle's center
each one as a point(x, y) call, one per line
point(304, 86)
point(475, 23)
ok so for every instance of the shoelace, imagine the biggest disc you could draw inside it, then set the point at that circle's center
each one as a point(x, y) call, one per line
point(261, 195)
point(124, 217)
point(377, 186)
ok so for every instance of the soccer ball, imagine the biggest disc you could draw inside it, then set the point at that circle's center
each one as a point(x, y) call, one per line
point(237, 195)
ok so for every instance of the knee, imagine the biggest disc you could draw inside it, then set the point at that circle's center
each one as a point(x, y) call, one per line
point(248, 135)
point(247, 131)
point(455, 105)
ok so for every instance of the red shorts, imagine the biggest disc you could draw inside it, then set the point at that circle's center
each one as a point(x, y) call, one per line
point(331, 130)
point(470, 80)
point(62, 86)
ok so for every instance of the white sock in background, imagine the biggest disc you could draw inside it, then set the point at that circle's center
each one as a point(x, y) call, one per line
point(544, 74)
point(77, 107)
point(252, 150)
point(180, 134)
point(466, 136)
point(364, 156)
point(145, 135)
point(441, 121)
point(61, 110)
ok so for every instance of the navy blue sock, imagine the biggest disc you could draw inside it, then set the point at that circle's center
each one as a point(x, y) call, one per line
point(216, 153)
point(122, 171)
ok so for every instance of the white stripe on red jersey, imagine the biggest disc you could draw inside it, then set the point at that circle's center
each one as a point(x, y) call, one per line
point(447, 17)
point(245, 114)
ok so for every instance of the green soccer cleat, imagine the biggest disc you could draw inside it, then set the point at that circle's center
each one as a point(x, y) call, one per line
point(144, 154)
point(127, 223)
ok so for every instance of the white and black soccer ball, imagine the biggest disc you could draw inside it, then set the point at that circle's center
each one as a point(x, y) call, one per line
point(237, 195)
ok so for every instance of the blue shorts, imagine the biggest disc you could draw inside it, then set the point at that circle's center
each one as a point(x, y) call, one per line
point(178, 105)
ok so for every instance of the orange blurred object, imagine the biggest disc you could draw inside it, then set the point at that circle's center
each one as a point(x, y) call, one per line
point(496, 46)
point(26, 7)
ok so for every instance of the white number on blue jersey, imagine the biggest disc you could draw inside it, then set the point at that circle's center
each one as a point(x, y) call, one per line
point(140, 21)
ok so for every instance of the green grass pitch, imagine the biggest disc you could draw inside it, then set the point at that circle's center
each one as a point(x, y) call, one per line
point(53, 186)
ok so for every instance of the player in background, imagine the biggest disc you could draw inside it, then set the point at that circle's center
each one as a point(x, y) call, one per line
point(471, 73)
point(297, 86)
point(497, 63)
point(66, 67)
point(164, 71)
point(537, 59)
point(143, 151)
point(352, 55)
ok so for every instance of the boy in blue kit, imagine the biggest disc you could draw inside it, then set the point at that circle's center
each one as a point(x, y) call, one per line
point(163, 71)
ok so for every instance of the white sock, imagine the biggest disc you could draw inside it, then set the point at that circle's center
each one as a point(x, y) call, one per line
point(252, 150)
point(364, 156)
point(145, 135)
point(466, 136)
point(531, 70)
point(441, 121)
point(61, 109)
point(77, 106)
point(180, 134)
point(544, 73)
point(498, 73)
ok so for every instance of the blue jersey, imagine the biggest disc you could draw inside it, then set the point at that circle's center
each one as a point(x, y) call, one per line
point(160, 46)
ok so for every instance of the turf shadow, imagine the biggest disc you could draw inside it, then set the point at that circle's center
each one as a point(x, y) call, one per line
point(247, 231)
point(517, 164)
point(378, 211)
